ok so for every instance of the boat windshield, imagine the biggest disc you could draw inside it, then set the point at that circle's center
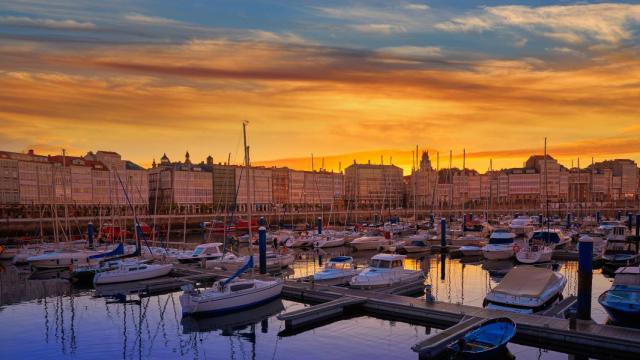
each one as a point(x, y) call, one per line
point(546, 236)
point(198, 251)
point(377, 263)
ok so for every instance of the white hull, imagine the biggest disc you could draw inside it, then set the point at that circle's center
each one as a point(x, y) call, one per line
point(532, 257)
point(501, 252)
point(57, 260)
point(365, 280)
point(118, 276)
point(212, 301)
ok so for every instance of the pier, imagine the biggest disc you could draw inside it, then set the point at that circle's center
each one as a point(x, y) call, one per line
point(550, 329)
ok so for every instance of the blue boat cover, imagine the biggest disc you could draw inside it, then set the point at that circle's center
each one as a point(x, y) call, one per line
point(115, 252)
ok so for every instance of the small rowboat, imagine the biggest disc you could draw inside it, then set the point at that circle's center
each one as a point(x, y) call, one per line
point(484, 341)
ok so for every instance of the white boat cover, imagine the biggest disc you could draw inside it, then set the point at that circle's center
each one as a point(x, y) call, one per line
point(526, 281)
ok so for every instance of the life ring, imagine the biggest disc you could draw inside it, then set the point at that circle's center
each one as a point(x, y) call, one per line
point(516, 248)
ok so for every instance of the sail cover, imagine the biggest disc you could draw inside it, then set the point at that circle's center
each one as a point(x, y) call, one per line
point(115, 252)
point(246, 267)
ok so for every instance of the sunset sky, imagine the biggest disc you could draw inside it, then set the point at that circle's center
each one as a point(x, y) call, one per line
point(342, 80)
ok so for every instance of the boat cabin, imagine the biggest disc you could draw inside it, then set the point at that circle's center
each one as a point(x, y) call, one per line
point(207, 249)
point(387, 261)
point(501, 236)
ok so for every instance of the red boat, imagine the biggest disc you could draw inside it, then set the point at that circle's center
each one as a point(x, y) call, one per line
point(111, 232)
point(218, 226)
point(244, 224)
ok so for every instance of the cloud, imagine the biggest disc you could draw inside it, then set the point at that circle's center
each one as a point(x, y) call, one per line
point(46, 23)
point(609, 23)
point(386, 29)
point(422, 7)
point(413, 51)
point(150, 20)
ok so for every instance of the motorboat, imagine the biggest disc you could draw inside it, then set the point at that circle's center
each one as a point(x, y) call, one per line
point(385, 270)
point(599, 244)
point(132, 271)
point(535, 251)
point(470, 251)
point(370, 242)
point(500, 246)
point(487, 340)
point(552, 237)
point(85, 274)
point(62, 258)
point(522, 225)
point(469, 240)
point(208, 251)
point(618, 253)
point(526, 289)
point(622, 300)
point(337, 268)
point(230, 295)
point(328, 241)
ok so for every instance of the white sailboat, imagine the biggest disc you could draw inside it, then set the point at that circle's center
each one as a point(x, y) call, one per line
point(232, 294)
point(132, 271)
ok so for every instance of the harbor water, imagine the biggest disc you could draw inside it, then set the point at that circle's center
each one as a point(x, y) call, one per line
point(44, 317)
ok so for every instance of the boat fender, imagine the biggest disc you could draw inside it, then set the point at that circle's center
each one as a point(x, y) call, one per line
point(516, 248)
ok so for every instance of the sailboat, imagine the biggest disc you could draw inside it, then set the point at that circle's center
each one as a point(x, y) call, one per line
point(232, 294)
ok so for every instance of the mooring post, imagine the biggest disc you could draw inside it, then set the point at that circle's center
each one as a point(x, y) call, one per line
point(630, 221)
point(90, 234)
point(443, 235)
point(568, 221)
point(585, 274)
point(464, 222)
point(637, 225)
point(202, 232)
point(262, 246)
point(319, 225)
point(619, 215)
point(598, 216)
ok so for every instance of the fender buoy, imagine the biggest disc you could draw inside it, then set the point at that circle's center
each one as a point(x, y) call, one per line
point(516, 248)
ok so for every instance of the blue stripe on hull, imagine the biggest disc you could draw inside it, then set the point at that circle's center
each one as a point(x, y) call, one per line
point(232, 309)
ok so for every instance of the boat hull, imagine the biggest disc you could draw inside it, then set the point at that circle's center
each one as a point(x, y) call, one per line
point(109, 277)
point(231, 303)
point(623, 314)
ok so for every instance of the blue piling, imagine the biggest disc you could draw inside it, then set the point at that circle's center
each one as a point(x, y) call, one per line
point(443, 235)
point(90, 234)
point(202, 232)
point(619, 215)
point(319, 225)
point(598, 217)
point(262, 246)
point(630, 221)
point(637, 225)
point(464, 222)
point(585, 274)
point(568, 220)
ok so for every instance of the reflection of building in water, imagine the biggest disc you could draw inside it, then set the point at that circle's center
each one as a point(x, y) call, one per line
point(15, 286)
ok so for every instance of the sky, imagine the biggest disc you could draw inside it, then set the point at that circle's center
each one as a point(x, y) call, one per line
point(342, 80)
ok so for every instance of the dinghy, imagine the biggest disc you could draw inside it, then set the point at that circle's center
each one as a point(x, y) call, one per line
point(485, 341)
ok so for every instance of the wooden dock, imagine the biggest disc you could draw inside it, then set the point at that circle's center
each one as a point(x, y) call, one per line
point(546, 332)
point(319, 313)
point(435, 345)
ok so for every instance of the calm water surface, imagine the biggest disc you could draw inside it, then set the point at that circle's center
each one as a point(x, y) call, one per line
point(49, 319)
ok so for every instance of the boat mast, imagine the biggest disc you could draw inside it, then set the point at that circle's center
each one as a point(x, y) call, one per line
point(546, 188)
point(247, 168)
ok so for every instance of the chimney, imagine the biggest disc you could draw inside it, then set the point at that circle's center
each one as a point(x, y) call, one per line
point(30, 152)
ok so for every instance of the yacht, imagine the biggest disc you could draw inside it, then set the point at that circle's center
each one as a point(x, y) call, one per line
point(208, 251)
point(337, 268)
point(500, 246)
point(415, 246)
point(370, 242)
point(385, 270)
point(275, 261)
point(619, 252)
point(622, 300)
point(63, 258)
point(526, 289)
point(132, 271)
point(536, 250)
point(552, 237)
point(522, 225)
